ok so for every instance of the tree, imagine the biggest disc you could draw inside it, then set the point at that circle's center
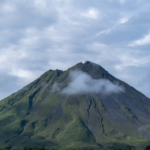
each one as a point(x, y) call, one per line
point(147, 147)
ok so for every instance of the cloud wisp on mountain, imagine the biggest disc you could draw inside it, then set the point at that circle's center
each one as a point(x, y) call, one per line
point(84, 83)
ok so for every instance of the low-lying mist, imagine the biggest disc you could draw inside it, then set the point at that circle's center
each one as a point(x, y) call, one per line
point(83, 83)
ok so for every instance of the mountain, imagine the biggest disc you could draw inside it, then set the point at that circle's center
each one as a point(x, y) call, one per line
point(83, 107)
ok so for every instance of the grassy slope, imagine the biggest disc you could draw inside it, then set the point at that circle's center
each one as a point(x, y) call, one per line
point(29, 117)
point(34, 116)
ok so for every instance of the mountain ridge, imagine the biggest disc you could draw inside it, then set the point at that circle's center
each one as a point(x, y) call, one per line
point(41, 115)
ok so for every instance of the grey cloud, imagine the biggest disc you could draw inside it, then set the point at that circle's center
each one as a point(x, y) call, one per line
point(83, 83)
point(27, 14)
point(57, 36)
point(144, 83)
point(9, 84)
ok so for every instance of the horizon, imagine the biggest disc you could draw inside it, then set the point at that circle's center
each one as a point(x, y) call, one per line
point(71, 88)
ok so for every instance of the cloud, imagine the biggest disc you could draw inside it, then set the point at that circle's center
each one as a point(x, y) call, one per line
point(55, 87)
point(39, 35)
point(8, 9)
point(9, 84)
point(144, 83)
point(123, 20)
point(83, 83)
point(122, 1)
point(143, 41)
point(24, 74)
point(91, 13)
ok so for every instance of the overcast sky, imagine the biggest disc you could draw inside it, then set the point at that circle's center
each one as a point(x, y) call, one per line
point(38, 35)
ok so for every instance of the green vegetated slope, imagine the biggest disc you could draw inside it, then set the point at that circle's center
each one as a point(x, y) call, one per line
point(40, 115)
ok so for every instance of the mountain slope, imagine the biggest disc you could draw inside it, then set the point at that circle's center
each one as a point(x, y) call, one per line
point(82, 108)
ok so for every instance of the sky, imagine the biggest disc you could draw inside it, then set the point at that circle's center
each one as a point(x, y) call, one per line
point(38, 35)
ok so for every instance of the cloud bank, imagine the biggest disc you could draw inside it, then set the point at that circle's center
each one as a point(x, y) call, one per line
point(39, 35)
point(83, 83)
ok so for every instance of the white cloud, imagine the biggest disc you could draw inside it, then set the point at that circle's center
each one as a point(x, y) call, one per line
point(10, 56)
point(121, 60)
point(91, 13)
point(41, 4)
point(83, 83)
point(143, 41)
point(123, 20)
point(8, 8)
point(107, 31)
point(25, 74)
point(129, 60)
point(116, 25)
point(122, 1)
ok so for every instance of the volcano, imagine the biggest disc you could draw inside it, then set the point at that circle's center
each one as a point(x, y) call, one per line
point(83, 107)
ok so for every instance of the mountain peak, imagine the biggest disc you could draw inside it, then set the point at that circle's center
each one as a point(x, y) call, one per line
point(92, 64)
point(88, 62)
point(94, 70)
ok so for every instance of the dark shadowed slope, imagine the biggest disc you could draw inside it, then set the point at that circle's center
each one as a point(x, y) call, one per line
point(84, 107)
